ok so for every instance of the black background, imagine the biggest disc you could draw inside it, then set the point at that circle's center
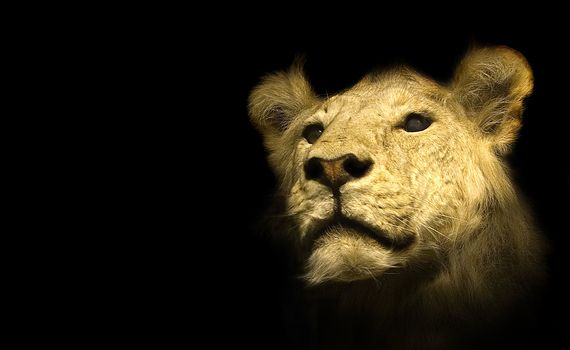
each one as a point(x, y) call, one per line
point(206, 263)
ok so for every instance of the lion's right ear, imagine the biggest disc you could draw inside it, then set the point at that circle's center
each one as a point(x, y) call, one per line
point(491, 84)
point(278, 99)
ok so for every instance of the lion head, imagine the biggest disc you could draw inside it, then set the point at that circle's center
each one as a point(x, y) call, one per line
point(401, 173)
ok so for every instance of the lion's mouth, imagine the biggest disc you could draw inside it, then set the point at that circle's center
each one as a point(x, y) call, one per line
point(362, 228)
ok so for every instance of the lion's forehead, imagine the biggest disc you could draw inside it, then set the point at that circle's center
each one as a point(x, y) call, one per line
point(380, 102)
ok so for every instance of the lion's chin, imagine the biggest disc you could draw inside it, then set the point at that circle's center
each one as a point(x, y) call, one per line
point(344, 255)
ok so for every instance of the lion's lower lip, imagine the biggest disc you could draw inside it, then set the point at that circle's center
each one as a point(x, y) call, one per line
point(364, 229)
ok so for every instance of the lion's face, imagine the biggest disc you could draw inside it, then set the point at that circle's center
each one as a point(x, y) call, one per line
point(410, 188)
point(382, 176)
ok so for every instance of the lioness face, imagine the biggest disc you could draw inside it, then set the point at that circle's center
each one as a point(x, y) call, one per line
point(372, 173)
point(385, 175)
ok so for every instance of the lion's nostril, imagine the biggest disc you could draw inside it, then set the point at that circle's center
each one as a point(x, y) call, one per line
point(356, 167)
point(313, 169)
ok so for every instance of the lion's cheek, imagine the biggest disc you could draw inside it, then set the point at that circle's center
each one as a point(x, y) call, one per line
point(309, 203)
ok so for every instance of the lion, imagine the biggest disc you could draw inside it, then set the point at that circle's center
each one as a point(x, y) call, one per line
point(398, 199)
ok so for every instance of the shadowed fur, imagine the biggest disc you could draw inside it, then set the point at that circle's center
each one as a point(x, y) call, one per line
point(472, 253)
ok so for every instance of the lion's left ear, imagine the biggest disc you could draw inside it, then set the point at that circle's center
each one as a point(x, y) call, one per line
point(491, 84)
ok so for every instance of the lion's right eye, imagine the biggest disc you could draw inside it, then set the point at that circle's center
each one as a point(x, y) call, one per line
point(313, 132)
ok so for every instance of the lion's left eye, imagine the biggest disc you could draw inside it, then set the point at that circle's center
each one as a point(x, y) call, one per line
point(416, 122)
point(313, 132)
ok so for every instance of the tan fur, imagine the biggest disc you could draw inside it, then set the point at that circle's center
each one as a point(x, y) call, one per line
point(475, 251)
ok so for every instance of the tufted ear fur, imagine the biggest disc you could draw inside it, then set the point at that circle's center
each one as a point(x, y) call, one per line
point(278, 99)
point(491, 84)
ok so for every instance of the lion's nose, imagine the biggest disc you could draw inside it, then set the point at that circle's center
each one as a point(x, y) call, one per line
point(336, 172)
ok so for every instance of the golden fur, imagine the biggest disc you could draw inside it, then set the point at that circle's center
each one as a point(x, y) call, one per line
point(474, 253)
